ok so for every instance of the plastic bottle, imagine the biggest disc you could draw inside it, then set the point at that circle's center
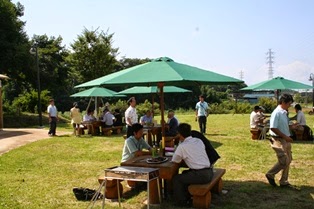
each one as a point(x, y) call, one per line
point(154, 151)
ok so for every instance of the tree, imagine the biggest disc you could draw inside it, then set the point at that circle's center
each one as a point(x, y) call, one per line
point(53, 68)
point(14, 47)
point(93, 56)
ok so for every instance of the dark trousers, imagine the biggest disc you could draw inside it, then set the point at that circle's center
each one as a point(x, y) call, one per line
point(202, 123)
point(182, 181)
point(53, 126)
point(129, 131)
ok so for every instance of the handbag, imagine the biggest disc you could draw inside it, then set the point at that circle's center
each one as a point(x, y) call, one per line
point(85, 194)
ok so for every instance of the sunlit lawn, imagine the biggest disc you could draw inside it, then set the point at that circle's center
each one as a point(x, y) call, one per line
point(42, 174)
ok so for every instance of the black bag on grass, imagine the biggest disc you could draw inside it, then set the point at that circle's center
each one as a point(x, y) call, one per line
point(85, 194)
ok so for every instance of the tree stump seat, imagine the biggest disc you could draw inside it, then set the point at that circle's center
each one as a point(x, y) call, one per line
point(202, 192)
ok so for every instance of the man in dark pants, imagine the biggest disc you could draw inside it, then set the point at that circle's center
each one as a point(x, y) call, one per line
point(130, 116)
point(201, 113)
point(53, 117)
point(192, 151)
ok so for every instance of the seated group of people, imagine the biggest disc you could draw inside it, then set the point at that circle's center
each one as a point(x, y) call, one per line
point(194, 151)
point(107, 119)
point(257, 121)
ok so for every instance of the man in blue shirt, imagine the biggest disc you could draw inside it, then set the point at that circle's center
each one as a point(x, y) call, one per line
point(134, 145)
point(201, 113)
point(281, 141)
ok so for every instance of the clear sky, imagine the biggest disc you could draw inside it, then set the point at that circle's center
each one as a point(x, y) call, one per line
point(224, 36)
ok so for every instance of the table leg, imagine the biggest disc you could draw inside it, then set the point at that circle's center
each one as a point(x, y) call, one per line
point(152, 189)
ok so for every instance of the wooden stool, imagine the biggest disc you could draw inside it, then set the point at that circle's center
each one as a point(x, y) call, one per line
point(255, 133)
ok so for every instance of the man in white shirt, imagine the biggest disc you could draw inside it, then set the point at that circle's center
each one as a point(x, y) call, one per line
point(192, 152)
point(53, 117)
point(255, 117)
point(107, 119)
point(131, 116)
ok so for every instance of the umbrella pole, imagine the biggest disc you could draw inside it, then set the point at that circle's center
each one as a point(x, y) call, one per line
point(161, 87)
point(90, 100)
point(153, 104)
point(96, 108)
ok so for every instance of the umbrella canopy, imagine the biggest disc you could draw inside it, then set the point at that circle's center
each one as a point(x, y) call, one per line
point(278, 83)
point(97, 92)
point(153, 89)
point(162, 70)
point(159, 72)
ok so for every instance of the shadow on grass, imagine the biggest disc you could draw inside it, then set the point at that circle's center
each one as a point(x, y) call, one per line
point(256, 194)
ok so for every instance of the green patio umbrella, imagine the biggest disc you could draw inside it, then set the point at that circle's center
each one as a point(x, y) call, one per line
point(160, 72)
point(96, 92)
point(278, 83)
point(153, 90)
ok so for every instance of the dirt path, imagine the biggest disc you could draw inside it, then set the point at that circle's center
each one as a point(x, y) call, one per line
point(11, 138)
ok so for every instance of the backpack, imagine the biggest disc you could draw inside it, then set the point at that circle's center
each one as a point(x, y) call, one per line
point(212, 154)
point(307, 133)
point(85, 194)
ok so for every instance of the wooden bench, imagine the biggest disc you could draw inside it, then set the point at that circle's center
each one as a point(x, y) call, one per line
point(108, 131)
point(202, 192)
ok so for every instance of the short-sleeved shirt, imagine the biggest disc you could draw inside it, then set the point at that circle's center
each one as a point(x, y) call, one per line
point(108, 119)
point(279, 119)
point(52, 110)
point(192, 151)
point(88, 118)
point(75, 115)
point(132, 114)
point(146, 119)
point(254, 119)
point(132, 145)
point(201, 108)
point(301, 118)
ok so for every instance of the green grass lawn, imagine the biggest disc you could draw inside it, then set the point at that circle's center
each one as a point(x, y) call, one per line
point(42, 174)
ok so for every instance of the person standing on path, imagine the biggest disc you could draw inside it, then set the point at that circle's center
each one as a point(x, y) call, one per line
point(53, 117)
point(281, 141)
point(76, 119)
point(130, 116)
point(201, 113)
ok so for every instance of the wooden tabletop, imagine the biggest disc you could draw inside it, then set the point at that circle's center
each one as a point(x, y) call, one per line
point(166, 170)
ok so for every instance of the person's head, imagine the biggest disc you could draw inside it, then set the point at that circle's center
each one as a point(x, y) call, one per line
point(90, 112)
point(52, 101)
point(132, 102)
point(256, 108)
point(148, 113)
point(285, 101)
point(75, 104)
point(170, 114)
point(137, 130)
point(201, 98)
point(106, 110)
point(184, 130)
point(297, 107)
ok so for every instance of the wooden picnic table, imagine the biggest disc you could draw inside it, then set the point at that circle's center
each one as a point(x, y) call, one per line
point(92, 126)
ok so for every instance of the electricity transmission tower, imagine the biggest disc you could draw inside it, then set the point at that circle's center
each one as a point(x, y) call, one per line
point(270, 62)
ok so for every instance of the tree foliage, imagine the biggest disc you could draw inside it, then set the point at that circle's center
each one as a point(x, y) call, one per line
point(93, 55)
point(14, 46)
